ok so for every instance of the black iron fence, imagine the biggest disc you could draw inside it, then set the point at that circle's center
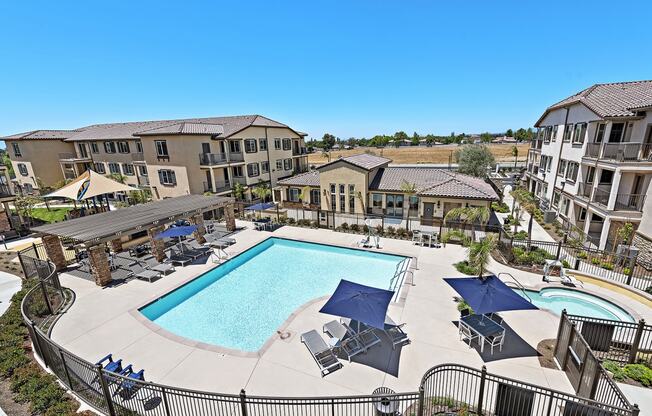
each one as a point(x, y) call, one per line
point(444, 389)
point(584, 370)
point(621, 342)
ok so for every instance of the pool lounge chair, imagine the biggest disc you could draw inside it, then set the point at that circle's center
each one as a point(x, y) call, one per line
point(129, 383)
point(322, 354)
point(174, 256)
point(348, 346)
point(144, 273)
point(363, 333)
point(395, 332)
point(211, 238)
point(194, 245)
point(164, 268)
point(188, 251)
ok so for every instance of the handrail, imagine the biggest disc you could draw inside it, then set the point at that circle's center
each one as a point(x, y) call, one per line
point(520, 286)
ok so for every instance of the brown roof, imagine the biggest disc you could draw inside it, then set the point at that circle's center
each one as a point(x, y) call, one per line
point(363, 160)
point(41, 135)
point(310, 178)
point(619, 99)
point(216, 126)
point(433, 182)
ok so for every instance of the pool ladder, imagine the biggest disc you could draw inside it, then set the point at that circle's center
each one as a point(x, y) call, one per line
point(520, 286)
point(402, 269)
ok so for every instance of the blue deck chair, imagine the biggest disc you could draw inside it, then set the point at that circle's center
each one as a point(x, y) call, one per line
point(108, 364)
point(129, 386)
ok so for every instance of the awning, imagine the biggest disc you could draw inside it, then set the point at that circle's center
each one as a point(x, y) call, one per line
point(488, 295)
point(89, 184)
point(361, 303)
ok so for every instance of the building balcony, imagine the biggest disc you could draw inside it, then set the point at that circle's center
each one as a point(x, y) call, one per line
point(302, 151)
point(73, 157)
point(217, 187)
point(300, 205)
point(622, 202)
point(584, 190)
point(138, 157)
point(601, 195)
point(214, 159)
point(536, 145)
point(6, 191)
point(619, 152)
point(143, 181)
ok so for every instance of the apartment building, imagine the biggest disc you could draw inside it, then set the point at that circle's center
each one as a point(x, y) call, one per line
point(591, 161)
point(366, 184)
point(170, 157)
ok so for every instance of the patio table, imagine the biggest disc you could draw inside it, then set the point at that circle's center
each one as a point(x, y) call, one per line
point(482, 326)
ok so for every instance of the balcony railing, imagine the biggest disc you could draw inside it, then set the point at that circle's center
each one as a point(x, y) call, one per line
point(5, 191)
point(138, 157)
point(210, 159)
point(218, 186)
point(143, 181)
point(236, 157)
point(620, 152)
point(629, 202)
point(72, 156)
point(584, 189)
point(300, 151)
point(601, 195)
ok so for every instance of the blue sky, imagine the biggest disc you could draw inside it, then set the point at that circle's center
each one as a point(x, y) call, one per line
point(352, 68)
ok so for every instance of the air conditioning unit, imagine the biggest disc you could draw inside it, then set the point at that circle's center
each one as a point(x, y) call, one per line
point(549, 216)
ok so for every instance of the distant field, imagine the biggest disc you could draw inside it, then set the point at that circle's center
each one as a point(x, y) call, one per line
point(417, 154)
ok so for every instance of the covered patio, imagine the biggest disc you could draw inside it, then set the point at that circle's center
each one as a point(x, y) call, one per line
point(94, 232)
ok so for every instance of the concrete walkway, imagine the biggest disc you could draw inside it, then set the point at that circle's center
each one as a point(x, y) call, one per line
point(538, 233)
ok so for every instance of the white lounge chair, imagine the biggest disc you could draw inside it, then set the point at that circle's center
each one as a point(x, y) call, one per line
point(349, 346)
point(322, 354)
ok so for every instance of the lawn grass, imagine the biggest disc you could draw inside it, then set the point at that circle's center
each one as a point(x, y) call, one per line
point(53, 215)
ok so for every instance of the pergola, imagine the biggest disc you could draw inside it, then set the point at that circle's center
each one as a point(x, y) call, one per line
point(94, 231)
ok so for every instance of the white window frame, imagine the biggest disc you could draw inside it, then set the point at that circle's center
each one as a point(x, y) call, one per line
point(253, 170)
point(128, 169)
point(251, 145)
point(109, 147)
point(100, 168)
point(22, 169)
point(167, 177)
point(116, 165)
point(161, 148)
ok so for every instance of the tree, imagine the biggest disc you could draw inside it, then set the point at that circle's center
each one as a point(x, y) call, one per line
point(474, 160)
point(521, 135)
point(479, 253)
point(261, 191)
point(486, 137)
point(515, 154)
point(470, 215)
point(509, 133)
point(328, 140)
point(25, 206)
point(400, 135)
point(7, 162)
point(238, 190)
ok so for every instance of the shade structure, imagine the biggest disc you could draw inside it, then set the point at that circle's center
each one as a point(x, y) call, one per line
point(176, 232)
point(362, 303)
point(88, 185)
point(260, 206)
point(489, 294)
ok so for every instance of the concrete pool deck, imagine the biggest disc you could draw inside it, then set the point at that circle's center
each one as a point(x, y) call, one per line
point(102, 321)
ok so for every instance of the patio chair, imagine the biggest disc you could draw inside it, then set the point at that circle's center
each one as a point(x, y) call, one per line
point(417, 236)
point(365, 335)
point(395, 332)
point(174, 256)
point(321, 353)
point(349, 346)
point(188, 251)
point(129, 385)
point(496, 341)
point(465, 312)
point(194, 245)
point(466, 332)
point(494, 317)
point(211, 239)
point(164, 268)
point(144, 273)
point(108, 365)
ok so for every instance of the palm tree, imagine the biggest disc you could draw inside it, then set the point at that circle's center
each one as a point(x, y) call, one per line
point(238, 190)
point(326, 155)
point(468, 215)
point(480, 253)
point(515, 154)
point(261, 191)
point(408, 189)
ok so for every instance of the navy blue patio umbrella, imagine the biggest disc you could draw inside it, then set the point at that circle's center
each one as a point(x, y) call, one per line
point(361, 303)
point(176, 232)
point(489, 295)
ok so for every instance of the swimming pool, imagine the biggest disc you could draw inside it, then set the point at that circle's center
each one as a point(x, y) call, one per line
point(576, 303)
point(241, 303)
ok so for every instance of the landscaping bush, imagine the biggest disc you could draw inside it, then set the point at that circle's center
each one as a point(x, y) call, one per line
point(649, 290)
point(466, 268)
point(606, 265)
point(315, 224)
point(391, 231)
point(401, 232)
point(595, 261)
point(521, 235)
point(379, 230)
point(535, 256)
point(582, 255)
point(291, 221)
point(566, 264)
point(456, 236)
point(344, 226)
point(640, 373)
point(355, 227)
point(627, 271)
point(500, 207)
point(365, 228)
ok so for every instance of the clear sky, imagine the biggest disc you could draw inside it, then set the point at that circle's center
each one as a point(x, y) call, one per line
point(351, 68)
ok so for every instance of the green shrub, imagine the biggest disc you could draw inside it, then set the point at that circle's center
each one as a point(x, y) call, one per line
point(365, 228)
point(595, 261)
point(521, 235)
point(566, 264)
point(355, 227)
point(582, 255)
point(648, 290)
point(614, 369)
point(606, 265)
point(640, 373)
point(379, 230)
point(466, 268)
point(535, 256)
point(461, 305)
point(291, 221)
point(627, 271)
point(391, 231)
point(344, 226)
point(401, 232)
point(456, 236)
point(500, 207)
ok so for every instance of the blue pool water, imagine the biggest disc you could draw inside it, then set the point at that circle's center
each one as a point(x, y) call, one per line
point(576, 303)
point(241, 303)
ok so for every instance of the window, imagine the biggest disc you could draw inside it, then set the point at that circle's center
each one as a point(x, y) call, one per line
point(599, 132)
point(377, 201)
point(99, 168)
point(264, 167)
point(555, 129)
point(333, 202)
point(342, 202)
point(109, 147)
point(582, 214)
point(568, 132)
point(234, 146)
point(95, 148)
point(161, 148)
point(262, 144)
point(279, 164)
point(128, 169)
point(139, 147)
point(351, 198)
point(287, 144)
point(565, 203)
point(571, 172)
point(414, 204)
point(250, 146)
point(555, 198)
point(237, 172)
point(590, 175)
point(580, 132)
point(287, 164)
point(114, 167)
point(546, 134)
point(142, 170)
point(293, 195)
point(315, 197)
point(252, 170)
point(16, 148)
point(277, 144)
point(561, 170)
point(616, 134)
point(394, 205)
point(123, 147)
point(22, 168)
point(83, 151)
point(167, 177)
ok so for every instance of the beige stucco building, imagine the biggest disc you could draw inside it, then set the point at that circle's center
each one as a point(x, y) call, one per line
point(170, 157)
point(367, 185)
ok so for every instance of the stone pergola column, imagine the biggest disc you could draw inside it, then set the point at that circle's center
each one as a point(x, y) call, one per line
point(198, 220)
point(99, 265)
point(158, 246)
point(54, 250)
point(116, 245)
point(229, 217)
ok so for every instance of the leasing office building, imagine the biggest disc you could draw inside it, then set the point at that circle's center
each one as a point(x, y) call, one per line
point(170, 157)
point(591, 161)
